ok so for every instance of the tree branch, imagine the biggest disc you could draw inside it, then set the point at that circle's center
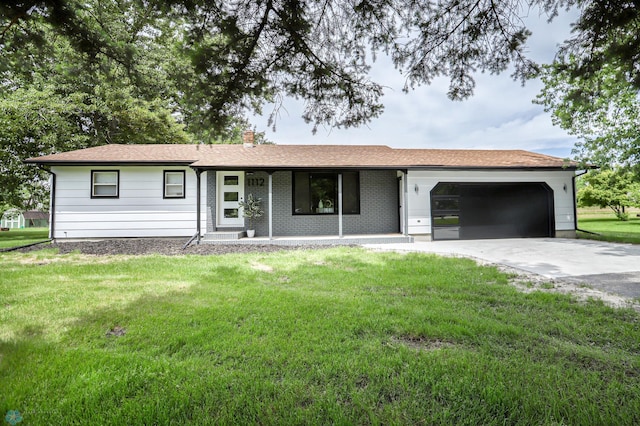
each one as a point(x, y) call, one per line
point(251, 48)
point(13, 22)
point(446, 36)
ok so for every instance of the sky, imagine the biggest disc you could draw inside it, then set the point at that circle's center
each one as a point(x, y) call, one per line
point(500, 115)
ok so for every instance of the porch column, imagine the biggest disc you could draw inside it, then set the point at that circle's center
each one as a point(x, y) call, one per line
point(270, 205)
point(198, 197)
point(405, 202)
point(340, 205)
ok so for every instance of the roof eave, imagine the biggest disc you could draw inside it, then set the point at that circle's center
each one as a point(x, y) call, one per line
point(109, 163)
point(194, 164)
point(298, 167)
point(489, 168)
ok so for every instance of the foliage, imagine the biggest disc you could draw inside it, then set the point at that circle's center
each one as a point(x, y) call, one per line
point(111, 104)
point(339, 336)
point(58, 97)
point(39, 120)
point(251, 208)
point(592, 86)
point(613, 188)
point(603, 111)
point(182, 70)
point(219, 58)
point(234, 134)
point(31, 123)
point(55, 97)
point(227, 56)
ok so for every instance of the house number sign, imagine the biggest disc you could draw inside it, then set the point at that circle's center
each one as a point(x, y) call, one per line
point(255, 182)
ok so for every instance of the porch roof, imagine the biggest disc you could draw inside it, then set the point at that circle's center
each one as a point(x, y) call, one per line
point(274, 157)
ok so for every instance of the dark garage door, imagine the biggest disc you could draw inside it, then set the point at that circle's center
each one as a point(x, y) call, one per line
point(470, 211)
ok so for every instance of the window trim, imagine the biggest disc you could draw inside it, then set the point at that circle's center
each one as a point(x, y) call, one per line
point(164, 184)
point(326, 172)
point(93, 184)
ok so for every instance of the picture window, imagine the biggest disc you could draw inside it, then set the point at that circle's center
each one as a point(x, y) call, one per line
point(317, 193)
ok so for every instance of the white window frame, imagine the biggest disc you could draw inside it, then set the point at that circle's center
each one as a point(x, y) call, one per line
point(167, 185)
point(115, 184)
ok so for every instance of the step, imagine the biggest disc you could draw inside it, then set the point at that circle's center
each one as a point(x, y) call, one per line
point(224, 235)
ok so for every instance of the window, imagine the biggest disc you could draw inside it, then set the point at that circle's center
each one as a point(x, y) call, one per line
point(231, 180)
point(174, 184)
point(231, 196)
point(317, 193)
point(445, 211)
point(105, 183)
point(231, 213)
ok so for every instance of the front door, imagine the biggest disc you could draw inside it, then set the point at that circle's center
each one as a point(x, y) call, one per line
point(230, 191)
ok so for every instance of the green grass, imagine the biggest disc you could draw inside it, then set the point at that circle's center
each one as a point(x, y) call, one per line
point(19, 237)
point(338, 336)
point(608, 227)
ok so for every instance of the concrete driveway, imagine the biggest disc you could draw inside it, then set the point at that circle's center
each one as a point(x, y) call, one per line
point(609, 267)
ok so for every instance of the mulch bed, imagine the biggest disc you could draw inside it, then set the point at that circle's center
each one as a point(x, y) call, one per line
point(163, 246)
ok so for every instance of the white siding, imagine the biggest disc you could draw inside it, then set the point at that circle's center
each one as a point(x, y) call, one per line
point(419, 202)
point(139, 211)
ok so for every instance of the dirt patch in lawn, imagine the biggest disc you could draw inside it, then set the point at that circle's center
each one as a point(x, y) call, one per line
point(116, 331)
point(261, 267)
point(528, 282)
point(421, 343)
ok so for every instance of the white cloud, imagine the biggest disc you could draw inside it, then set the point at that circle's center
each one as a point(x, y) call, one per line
point(500, 115)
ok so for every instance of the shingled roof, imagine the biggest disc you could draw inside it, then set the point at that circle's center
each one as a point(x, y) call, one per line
point(117, 154)
point(302, 156)
point(35, 215)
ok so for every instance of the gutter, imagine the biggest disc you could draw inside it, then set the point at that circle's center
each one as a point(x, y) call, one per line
point(110, 163)
point(337, 167)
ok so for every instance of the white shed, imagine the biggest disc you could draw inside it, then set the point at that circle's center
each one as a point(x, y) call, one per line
point(12, 219)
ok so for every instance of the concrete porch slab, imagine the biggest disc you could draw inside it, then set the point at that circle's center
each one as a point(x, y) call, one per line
point(318, 240)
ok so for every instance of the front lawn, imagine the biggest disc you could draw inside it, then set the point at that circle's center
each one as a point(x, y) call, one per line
point(20, 237)
point(337, 336)
point(608, 227)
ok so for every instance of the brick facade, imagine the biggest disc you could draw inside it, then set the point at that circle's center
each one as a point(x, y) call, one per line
point(379, 207)
point(211, 201)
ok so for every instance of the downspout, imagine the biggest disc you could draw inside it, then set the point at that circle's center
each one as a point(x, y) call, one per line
point(270, 206)
point(340, 230)
point(405, 207)
point(52, 203)
point(198, 197)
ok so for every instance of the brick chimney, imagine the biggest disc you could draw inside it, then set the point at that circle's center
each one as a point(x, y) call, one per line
point(247, 139)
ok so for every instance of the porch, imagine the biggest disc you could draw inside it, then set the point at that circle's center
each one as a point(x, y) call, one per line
point(364, 206)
